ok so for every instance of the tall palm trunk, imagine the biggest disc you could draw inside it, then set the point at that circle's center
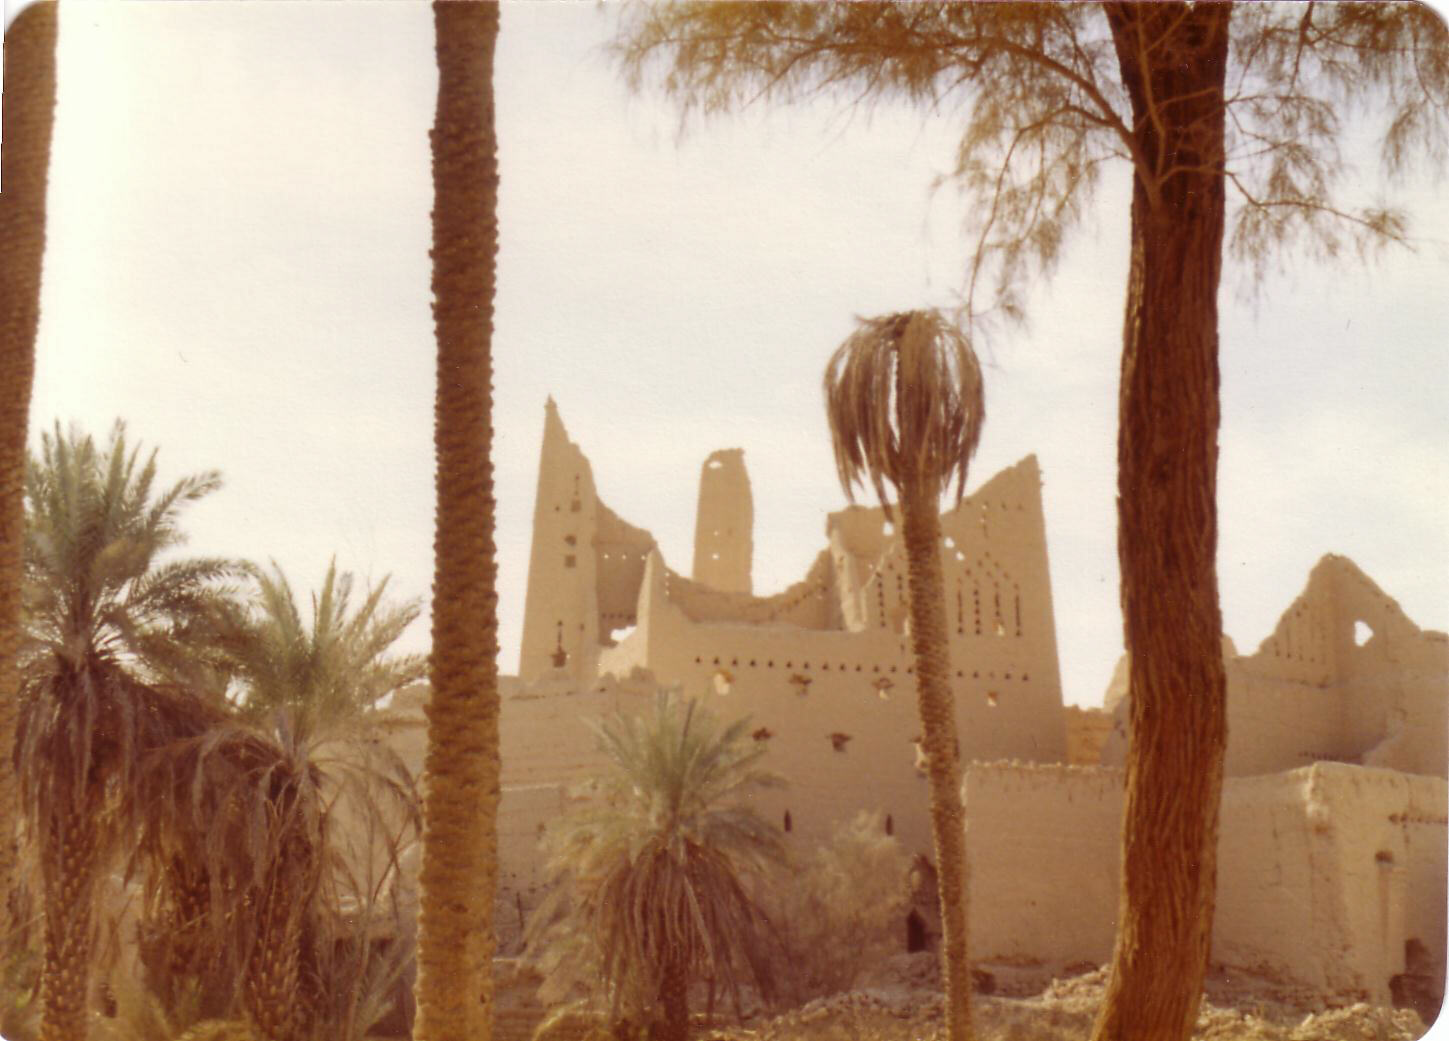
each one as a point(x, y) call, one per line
point(459, 870)
point(674, 997)
point(68, 865)
point(1167, 535)
point(921, 530)
point(24, 164)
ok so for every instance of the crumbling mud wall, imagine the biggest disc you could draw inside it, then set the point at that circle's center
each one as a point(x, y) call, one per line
point(1329, 876)
point(1344, 677)
point(1088, 730)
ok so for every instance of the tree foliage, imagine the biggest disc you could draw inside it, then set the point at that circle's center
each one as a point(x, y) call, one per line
point(649, 886)
point(110, 628)
point(855, 886)
point(1039, 96)
point(272, 847)
point(334, 669)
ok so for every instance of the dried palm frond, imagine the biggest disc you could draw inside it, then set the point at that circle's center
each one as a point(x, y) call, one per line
point(904, 399)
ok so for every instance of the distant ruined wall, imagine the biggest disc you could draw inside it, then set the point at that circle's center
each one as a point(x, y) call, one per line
point(1087, 732)
point(1344, 677)
point(1327, 875)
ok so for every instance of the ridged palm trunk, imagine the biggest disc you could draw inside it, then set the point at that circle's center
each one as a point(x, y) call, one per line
point(24, 163)
point(674, 997)
point(68, 865)
point(272, 992)
point(173, 948)
point(921, 530)
point(461, 770)
point(1167, 535)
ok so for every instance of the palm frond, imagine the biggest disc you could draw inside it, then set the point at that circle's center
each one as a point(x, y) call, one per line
point(653, 874)
point(905, 404)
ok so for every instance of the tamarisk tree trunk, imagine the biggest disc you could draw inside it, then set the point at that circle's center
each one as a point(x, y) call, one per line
point(1167, 533)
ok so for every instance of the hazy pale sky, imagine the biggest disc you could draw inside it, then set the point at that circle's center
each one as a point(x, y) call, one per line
point(237, 265)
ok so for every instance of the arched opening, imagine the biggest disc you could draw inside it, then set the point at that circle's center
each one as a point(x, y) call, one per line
point(915, 932)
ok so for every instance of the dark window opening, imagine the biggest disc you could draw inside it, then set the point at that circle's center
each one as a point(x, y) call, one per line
point(789, 824)
point(915, 932)
point(890, 825)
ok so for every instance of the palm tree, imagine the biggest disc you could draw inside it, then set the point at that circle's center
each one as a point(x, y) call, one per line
point(652, 880)
point(460, 842)
point(904, 400)
point(109, 625)
point(262, 827)
point(29, 92)
point(337, 668)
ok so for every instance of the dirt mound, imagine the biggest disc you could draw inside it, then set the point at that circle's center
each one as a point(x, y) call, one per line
point(1240, 1007)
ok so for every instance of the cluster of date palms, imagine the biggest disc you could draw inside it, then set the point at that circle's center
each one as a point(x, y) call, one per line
point(186, 740)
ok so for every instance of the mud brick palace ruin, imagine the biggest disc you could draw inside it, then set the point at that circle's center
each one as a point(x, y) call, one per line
point(1332, 851)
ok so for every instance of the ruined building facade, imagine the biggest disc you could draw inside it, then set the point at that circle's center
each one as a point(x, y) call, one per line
point(1332, 851)
point(823, 669)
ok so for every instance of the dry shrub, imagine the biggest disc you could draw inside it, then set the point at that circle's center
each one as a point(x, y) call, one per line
point(839, 909)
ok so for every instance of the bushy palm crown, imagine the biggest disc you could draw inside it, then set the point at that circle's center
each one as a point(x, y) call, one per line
point(109, 622)
point(654, 877)
point(249, 810)
point(904, 400)
point(332, 670)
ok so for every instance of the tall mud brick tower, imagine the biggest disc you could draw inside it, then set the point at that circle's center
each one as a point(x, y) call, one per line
point(724, 523)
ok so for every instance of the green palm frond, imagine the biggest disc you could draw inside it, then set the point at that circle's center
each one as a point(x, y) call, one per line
point(905, 404)
point(102, 618)
point(334, 668)
point(292, 802)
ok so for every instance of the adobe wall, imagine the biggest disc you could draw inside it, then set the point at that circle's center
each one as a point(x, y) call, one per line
point(1344, 677)
point(1359, 855)
point(1042, 844)
point(1325, 874)
point(1087, 732)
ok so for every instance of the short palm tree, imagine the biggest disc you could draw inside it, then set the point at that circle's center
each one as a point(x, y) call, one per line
point(904, 399)
point(650, 888)
point(110, 623)
point(263, 826)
